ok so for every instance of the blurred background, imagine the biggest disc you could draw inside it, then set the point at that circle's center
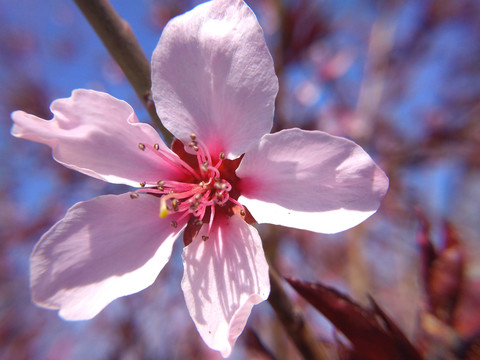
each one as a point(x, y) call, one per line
point(401, 78)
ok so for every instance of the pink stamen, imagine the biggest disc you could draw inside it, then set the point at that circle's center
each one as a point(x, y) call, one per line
point(152, 190)
point(183, 195)
point(215, 170)
point(228, 186)
point(192, 198)
point(200, 212)
point(173, 161)
point(236, 203)
point(204, 151)
point(225, 198)
point(177, 184)
point(185, 214)
point(221, 156)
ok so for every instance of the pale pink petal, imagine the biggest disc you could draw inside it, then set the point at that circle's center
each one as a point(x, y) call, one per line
point(212, 75)
point(224, 277)
point(310, 180)
point(98, 135)
point(102, 249)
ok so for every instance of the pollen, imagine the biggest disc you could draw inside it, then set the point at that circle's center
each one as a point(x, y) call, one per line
point(204, 166)
point(134, 196)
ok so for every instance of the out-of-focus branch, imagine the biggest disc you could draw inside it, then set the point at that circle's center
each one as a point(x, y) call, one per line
point(121, 43)
point(293, 321)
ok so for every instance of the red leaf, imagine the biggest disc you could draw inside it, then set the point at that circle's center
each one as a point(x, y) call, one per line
point(446, 278)
point(428, 253)
point(255, 346)
point(442, 270)
point(373, 334)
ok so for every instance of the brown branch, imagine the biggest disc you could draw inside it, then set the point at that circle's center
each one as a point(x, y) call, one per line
point(121, 43)
point(293, 321)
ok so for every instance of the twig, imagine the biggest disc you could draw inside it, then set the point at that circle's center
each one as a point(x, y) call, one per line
point(293, 321)
point(120, 41)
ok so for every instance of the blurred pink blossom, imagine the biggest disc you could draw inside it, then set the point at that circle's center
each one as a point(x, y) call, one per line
point(214, 88)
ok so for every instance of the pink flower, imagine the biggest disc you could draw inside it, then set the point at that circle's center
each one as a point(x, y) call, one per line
point(214, 87)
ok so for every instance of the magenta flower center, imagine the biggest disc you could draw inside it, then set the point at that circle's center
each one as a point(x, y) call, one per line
point(206, 187)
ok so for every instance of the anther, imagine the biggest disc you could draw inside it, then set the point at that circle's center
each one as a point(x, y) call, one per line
point(194, 206)
point(204, 166)
point(204, 237)
point(221, 156)
point(242, 212)
point(161, 182)
point(195, 147)
point(156, 146)
point(193, 136)
point(175, 203)
point(198, 222)
point(142, 184)
point(193, 143)
point(220, 186)
point(174, 224)
point(134, 196)
point(141, 146)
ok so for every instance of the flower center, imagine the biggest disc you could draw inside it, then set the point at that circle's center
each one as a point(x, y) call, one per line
point(205, 189)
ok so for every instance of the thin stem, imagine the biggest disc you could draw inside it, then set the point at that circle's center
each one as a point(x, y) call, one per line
point(293, 321)
point(120, 41)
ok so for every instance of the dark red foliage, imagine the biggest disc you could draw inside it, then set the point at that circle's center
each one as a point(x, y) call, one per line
point(374, 336)
point(255, 346)
point(442, 271)
point(191, 231)
point(303, 25)
point(428, 253)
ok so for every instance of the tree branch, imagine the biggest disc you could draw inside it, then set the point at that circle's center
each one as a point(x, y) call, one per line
point(121, 43)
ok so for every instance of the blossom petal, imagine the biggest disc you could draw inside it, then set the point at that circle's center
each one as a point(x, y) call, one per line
point(224, 277)
point(310, 180)
point(102, 249)
point(98, 135)
point(213, 75)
